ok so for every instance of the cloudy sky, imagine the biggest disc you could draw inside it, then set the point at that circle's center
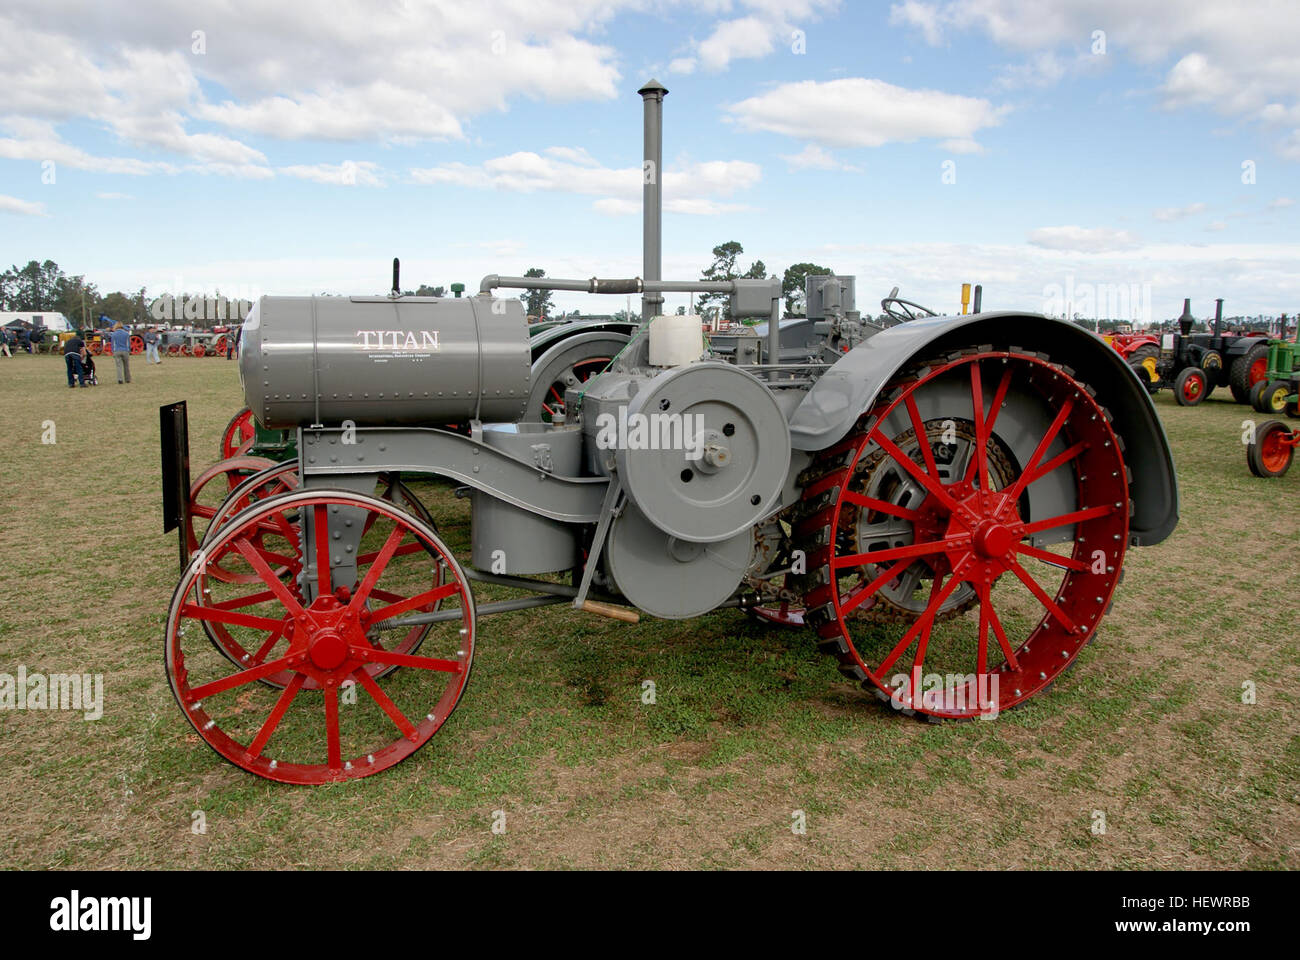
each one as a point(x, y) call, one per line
point(290, 147)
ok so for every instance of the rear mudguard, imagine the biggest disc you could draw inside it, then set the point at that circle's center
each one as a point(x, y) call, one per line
point(851, 386)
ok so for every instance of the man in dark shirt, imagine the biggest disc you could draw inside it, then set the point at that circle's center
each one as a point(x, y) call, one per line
point(72, 357)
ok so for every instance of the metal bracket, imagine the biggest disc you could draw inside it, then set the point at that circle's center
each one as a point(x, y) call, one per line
point(613, 494)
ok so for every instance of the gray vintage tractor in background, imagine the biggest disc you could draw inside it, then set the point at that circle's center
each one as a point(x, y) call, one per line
point(945, 503)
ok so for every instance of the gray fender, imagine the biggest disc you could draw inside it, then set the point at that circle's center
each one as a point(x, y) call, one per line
point(543, 340)
point(850, 387)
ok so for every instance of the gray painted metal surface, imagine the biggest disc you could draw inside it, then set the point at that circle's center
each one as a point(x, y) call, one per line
point(385, 360)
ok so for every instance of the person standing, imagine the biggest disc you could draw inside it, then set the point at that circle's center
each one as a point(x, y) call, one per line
point(4, 342)
point(72, 351)
point(122, 353)
point(151, 346)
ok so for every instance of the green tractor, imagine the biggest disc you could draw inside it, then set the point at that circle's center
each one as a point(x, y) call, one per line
point(1280, 389)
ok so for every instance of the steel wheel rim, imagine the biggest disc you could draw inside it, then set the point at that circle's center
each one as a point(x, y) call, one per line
point(1273, 453)
point(984, 540)
point(324, 645)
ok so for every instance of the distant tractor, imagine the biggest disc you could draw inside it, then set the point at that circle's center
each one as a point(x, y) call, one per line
point(1193, 364)
point(1279, 390)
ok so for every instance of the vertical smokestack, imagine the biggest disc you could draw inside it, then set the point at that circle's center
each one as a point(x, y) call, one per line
point(1218, 315)
point(652, 94)
point(1186, 320)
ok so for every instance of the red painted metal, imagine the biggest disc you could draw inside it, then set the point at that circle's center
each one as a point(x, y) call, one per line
point(237, 438)
point(137, 343)
point(967, 534)
point(207, 492)
point(310, 651)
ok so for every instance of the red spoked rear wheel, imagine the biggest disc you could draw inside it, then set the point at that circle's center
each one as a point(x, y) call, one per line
point(1039, 581)
point(239, 434)
point(137, 344)
point(200, 350)
point(330, 720)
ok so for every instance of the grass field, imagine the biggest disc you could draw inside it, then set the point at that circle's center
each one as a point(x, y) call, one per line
point(751, 724)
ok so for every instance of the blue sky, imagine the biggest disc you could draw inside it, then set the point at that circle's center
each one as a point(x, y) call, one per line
point(297, 147)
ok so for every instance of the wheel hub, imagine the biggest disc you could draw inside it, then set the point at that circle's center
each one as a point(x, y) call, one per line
point(983, 531)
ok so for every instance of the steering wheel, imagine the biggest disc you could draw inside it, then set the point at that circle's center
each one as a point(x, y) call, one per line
point(904, 310)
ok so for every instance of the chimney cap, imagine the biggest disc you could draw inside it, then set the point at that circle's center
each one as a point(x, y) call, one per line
point(652, 86)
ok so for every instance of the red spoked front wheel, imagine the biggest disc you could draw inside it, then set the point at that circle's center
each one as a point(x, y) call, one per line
point(1028, 521)
point(209, 492)
point(237, 438)
point(137, 344)
point(328, 638)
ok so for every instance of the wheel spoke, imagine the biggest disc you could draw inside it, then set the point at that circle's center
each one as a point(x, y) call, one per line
point(381, 561)
point(1063, 457)
point(911, 551)
point(986, 602)
point(857, 597)
point(387, 705)
point(277, 714)
point(320, 523)
point(1059, 421)
point(424, 599)
point(239, 679)
point(1042, 596)
point(399, 552)
point(880, 506)
point(932, 484)
point(981, 442)
point(922, 623)
point(333, 750)
point(229, 616)
point(249, 600)
point(269, 644)
point(268, 576)
point(1055, 559)
point(994, 409)
point(918, 659)
point(1078, 516)
point(982, 647)
point(393, 658)
point(922, 438)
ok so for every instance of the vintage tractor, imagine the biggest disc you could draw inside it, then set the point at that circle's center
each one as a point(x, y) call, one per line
point(1193, 364)
point(1279, 390)
point(950, 497)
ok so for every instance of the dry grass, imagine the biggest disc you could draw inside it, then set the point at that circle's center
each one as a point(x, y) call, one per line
point(750, 725)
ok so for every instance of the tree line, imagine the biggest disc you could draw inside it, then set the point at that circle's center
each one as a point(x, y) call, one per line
point(45, 286)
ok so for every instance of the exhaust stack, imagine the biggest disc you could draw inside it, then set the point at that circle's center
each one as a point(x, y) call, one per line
point(652, 94)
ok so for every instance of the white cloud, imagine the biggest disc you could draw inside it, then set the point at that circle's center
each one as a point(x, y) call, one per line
point(693, 188)
point(27, 208)
point(1236, 58)
point(861, 112)
point(349, 173)
point(1082, 239)
point(114, 196)
point(1216, 226)
point(1282, 203)
point(1166, 214)
point(813, 157)
point(682, 65)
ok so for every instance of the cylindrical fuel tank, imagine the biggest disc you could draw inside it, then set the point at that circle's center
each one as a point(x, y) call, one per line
point(385, 360)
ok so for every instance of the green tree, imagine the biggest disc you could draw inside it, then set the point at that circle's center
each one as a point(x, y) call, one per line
point(723, 268)
point(118, 307)
point(33, 287)
point(793, 286)
point(537, 303)
point(425, 290)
